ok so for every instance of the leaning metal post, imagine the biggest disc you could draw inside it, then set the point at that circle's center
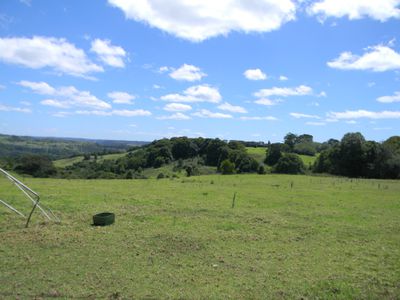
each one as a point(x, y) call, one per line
point(31, 195)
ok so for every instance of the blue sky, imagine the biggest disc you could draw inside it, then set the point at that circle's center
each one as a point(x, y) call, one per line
point(250, 70)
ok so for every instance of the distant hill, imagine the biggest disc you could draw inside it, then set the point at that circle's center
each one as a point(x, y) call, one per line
point(57, 148)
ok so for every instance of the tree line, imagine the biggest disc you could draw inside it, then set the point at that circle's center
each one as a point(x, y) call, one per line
point(352, 156)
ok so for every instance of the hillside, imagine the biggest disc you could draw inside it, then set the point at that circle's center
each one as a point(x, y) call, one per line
point(57, 148)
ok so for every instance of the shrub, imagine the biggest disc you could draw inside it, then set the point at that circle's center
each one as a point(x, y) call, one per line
point(227, 167)
point(160, 176)
point(289, 164)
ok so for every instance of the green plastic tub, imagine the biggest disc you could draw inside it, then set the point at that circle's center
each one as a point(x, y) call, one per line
point(103, 219)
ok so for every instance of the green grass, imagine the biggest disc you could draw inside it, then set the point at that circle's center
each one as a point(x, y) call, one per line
point(62, 163)
point(259, 153)
point(324, 238)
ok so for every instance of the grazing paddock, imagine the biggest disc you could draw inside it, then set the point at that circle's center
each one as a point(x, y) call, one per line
point(286, 237)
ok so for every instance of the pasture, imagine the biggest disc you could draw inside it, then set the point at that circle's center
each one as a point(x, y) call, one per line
point(284, 237)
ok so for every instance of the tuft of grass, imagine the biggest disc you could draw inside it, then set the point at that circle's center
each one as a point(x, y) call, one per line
point(320, 238)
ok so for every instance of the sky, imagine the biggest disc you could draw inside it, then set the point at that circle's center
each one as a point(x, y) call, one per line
point(251, 70)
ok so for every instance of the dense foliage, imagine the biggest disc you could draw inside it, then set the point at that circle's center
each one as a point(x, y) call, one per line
point(353, 156)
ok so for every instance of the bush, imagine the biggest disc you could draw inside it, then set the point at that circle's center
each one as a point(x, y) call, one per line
point(227, 167)
point(261, 170)
point(160, 176)
point(290, 164)
point(36, 165)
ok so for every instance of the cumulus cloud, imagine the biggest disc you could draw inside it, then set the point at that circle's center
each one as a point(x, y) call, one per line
point(390, 99)
point(121, 113)
point(55, 103)
point(200, 20)
point(204, 113)
point(357, 114)
point(255, 74)
point(69, 96)
point(14, 109)
point(177, 107)
point(197, 93)
point(300, 115)
point(301, 90)
point(47, 52)
point(109, 54)
point(176, 116)
point(187, 73)
point(232, 108)
point(266, 118)
point(283, 78)
point(378, 58)
point(381, 10)
point(266, 102)
point(121, 97)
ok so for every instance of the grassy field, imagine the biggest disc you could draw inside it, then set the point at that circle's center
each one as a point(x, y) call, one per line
point(259, 154)
point(62, 163)
point(287, 237)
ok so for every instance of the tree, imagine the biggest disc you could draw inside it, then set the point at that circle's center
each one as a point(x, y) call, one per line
point(227, 167)
point(273, 154)
point(352, 153)
point(290, 140)
point(36, 165)
point(290, 163)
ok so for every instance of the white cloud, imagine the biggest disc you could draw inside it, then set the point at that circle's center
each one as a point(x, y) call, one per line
point(2, 87)
point(121, 97)
point(47, 52)
point(164, 69)
point(187, 73)
point(300, 115)
point(176, 116)
point(351, 122)
point(200, 20)
point(42, 88)
point(357, 114)
point(267, 102)
point(131, 113)
point(390, 99)
point(197, 93)
point(61, 114)
point(301, 90)
point(267, 118)
point(322, 94)
point(204, 113)
point(14, 109)
point(283, 78)
point(177, 107)
point(255, 74)
point(55, 103)
point(232, 108)
point(121, 113)
point(381, 10)
point(378, 58)
point(109, 54)
point(316, 123)
point(69, 94)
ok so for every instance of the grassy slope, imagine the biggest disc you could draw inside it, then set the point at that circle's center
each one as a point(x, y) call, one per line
point(326, 237)
point(62, 163)
point(259, 154)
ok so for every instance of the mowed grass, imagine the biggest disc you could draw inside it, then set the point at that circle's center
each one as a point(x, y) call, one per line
point(287, 237)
